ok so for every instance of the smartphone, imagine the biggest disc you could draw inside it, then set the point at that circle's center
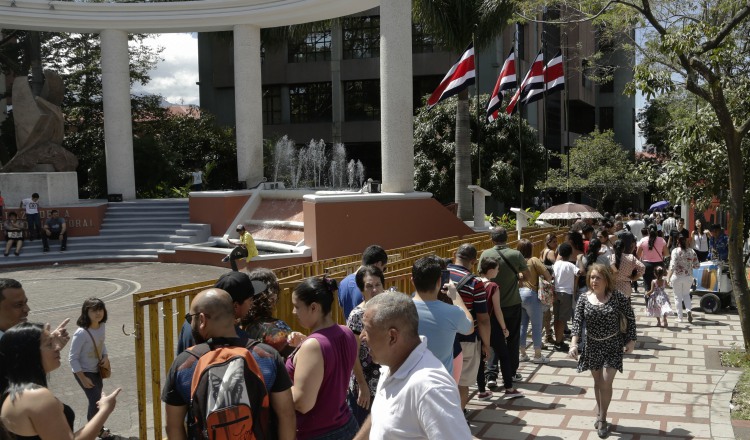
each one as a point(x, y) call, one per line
point(445, 277)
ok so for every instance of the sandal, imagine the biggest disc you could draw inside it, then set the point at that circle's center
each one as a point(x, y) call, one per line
point(105, 434)
point(603, 429)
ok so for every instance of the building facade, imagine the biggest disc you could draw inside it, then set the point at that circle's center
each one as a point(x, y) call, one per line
point(326, 85)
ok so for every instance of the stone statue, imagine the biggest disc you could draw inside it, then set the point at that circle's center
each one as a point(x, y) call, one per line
point(39, 128)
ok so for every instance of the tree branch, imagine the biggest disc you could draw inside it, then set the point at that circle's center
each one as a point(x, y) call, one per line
point(713, 43)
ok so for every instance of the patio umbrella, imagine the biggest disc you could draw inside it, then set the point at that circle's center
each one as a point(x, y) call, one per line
point(569, 211)
point(659, 205)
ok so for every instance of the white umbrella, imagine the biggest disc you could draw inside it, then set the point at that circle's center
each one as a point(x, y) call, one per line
point(569, 211)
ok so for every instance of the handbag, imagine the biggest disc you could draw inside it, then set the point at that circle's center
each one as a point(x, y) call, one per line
point(105, 371)
point(623, 318)
point(546, 292)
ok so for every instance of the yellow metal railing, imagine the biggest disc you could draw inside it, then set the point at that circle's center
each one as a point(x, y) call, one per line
point(158, 314)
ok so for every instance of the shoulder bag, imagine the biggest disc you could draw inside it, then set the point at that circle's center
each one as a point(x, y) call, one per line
point(105, 371)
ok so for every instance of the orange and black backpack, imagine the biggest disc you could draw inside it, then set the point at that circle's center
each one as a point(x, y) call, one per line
point(229, 400)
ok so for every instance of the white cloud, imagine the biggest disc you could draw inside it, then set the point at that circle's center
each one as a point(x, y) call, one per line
point(174, 78)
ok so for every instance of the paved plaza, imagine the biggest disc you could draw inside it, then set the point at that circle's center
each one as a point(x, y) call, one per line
point(672, 386)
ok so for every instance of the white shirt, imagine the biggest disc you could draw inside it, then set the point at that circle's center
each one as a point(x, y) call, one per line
point(31, 206)
point(419, 401)
point(700, 242)
point(565, 276)
point(197, 177)
point(667, 225)
point(82, 354)
point(635, 228)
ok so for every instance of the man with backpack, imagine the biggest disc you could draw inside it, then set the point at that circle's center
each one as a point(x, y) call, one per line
point(228, 386)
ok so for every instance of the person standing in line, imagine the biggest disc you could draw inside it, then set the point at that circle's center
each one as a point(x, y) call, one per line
point(88, 352)
point(512, 267)
point(548, 256)
point(31, 207)
point(699, 241)
point(680, 276)
point(601, 308)
point(530, 303)
point(245, 248)
point(565, 286)
point(416, 398)
point(349, 294)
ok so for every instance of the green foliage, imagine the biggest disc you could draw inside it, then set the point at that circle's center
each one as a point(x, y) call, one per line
point(601, 169)
point(434, 147)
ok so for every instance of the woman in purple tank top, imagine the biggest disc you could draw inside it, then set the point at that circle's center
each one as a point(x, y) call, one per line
point(320, 367)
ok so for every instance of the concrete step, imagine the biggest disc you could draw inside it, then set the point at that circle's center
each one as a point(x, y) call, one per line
point(166, 230)
point(131, 224)
point(183, 239)
point(188, 232)
point(146, 212)
point(196, 226)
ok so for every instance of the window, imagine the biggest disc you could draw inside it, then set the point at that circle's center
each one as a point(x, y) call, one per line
point(585, 71)
point(315, 46)
point(421, 42)
point(310, 102)
point(424, 85)
point(606, 118)
point(361, 37)
point(271, 105)
point(362, 100)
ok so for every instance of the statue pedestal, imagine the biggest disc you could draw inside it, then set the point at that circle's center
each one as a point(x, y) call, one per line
point(54, 189)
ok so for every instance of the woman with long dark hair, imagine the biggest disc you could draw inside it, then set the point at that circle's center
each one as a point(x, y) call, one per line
point(321, 366)
point(29, 410)
point(625, 266)
point(651, 253)
point(699, 241)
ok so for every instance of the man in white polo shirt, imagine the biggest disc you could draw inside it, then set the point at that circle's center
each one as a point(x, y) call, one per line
point(416, 397)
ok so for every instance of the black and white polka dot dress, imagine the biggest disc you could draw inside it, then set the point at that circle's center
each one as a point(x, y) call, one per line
point(604, 342)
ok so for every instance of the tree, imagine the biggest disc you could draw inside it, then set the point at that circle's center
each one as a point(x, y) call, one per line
point(597, 167)
point(453, 24)
point(434, 146)
point(702, 48)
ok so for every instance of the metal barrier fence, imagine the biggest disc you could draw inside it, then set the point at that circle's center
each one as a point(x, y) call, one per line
point(158, 314)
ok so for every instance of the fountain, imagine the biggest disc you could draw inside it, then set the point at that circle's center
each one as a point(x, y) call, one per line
point(312, 166)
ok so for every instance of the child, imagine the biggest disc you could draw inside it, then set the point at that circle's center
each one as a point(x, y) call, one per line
point(657, 301)
point(88, 352)
point(565, 286)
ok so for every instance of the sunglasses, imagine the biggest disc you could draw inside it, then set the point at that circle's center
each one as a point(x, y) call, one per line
point(189, 316)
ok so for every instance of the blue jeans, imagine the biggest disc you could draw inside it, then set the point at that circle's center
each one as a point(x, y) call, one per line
point(360, 414)
point(35, 225)
point(92, 394)
point(531, 310)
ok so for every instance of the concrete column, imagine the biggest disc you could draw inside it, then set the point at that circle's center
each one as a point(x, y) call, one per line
point(248, 108)
point(337, 87)
point(118, 126)
point(396, 120)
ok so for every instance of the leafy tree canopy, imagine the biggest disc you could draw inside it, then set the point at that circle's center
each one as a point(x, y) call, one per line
point(434, 153)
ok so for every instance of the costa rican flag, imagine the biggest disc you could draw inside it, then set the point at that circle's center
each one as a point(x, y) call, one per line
point(506, 81)
point(532, 85)
point(460, 76)
point(554, 77)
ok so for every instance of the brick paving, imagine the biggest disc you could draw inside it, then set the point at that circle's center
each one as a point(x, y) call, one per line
point(666, 391)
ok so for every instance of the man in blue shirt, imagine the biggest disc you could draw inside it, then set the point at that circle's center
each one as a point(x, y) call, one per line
point(55, 228)
point(349, 294)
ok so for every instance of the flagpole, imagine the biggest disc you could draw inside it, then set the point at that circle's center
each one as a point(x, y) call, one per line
point(567, 117)
point(520, 109)
point(479, 114)
point(544, 105)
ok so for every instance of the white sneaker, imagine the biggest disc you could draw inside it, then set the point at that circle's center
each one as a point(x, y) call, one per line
point(540, 360)
point(679, 320)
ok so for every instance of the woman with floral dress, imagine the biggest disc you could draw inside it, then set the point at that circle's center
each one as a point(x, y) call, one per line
point(680, 275)
point(364, 381)
point(601, 308)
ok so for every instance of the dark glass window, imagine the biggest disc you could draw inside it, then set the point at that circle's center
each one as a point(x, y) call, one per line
point(606, 118)
point(271, 105)
point(310, 102)
point(422, 42)
point(362, 100)
point(609, 85)
point(361, 37)
point(315, 46)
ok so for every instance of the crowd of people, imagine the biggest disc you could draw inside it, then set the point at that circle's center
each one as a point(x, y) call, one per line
point(403, 364)
point(29, 226)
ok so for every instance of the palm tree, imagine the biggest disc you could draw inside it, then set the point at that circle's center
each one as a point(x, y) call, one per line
point(453, 24)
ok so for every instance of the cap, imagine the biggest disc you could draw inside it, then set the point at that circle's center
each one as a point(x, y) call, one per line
point(240, 227)
point(239, 286)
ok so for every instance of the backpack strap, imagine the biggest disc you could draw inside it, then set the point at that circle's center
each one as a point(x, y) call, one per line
point(499, 252)
point(462, 282)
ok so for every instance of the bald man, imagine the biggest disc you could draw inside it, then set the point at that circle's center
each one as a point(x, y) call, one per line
point(416, 397)
point(212, 317)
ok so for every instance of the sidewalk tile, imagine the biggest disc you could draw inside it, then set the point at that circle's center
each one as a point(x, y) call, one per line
point(664, 409)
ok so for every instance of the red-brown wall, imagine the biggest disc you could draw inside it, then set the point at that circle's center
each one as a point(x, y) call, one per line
point(216, 211)
point(83, 221)
point(344, 228)
point(214, 259)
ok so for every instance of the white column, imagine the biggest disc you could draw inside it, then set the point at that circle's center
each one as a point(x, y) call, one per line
point(118, 126)
point(248, 107)
point(396, 120)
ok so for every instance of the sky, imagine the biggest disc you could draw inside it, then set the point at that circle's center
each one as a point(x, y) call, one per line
point(175, 78)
